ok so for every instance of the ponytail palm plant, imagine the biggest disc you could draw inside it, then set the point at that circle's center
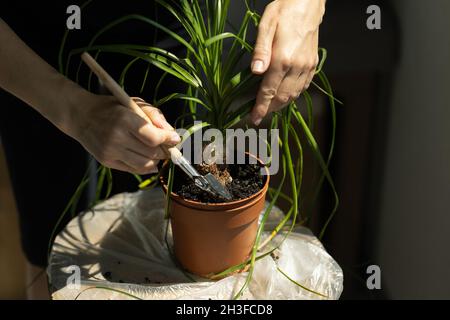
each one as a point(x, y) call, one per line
point(213, 85)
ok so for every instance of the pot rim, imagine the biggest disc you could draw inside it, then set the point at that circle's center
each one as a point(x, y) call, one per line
point(219, 205)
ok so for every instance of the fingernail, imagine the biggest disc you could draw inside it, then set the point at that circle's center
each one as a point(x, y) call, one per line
point(257, 121)
point(175, 138)
point(257, 66)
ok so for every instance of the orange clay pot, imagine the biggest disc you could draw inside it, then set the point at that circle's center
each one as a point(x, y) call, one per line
point(211, 237)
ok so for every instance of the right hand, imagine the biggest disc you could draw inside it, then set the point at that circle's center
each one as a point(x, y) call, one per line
point(118, 137)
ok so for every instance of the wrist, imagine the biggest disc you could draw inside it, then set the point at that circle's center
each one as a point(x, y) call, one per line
point(311, 11)
point(74, 101)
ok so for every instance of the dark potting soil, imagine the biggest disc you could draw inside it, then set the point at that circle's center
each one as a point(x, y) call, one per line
point(242, 180)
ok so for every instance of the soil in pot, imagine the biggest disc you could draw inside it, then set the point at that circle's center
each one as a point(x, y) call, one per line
point(242, 180)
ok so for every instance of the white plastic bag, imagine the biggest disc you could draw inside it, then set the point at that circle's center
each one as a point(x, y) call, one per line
point(120, 251)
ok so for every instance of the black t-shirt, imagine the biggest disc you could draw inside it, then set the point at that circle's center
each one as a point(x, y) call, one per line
point(41, 24)
point(45, 165)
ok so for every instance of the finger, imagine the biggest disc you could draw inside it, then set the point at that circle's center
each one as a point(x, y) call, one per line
point(263, 47)
point(309, 79)
point(122, 166)
point(144, 150)
point(301, 84)
point(138, 163)
point(150, 134)
point(288, 90)
point(127, 168)
point(267, 91)
point(157, 117)
point(138, 100)
point(153, 113)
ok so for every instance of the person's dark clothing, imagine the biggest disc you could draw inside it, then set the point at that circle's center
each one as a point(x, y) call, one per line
point(45, 165)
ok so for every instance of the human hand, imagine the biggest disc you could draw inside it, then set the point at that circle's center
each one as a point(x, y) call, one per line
point(286, 52)
point(119, 138)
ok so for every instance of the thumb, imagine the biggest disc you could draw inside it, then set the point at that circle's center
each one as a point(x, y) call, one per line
point(167, 137)
point(263, 47)
point(154, 136)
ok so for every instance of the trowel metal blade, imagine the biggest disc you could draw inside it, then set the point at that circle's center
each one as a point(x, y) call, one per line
point(217, 186)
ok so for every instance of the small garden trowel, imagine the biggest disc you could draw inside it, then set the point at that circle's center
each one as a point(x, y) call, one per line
point(208, 182)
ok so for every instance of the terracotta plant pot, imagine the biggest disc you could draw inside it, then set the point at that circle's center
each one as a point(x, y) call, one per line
point(211, 237)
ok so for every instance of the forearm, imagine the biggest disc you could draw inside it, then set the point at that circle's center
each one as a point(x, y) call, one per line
point(116, 136)
point(25, 75)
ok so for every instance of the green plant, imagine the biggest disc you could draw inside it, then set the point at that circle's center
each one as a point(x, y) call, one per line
point(213, 84)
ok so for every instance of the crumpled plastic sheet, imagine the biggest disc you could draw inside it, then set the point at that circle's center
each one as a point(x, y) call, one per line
point(119, 247)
